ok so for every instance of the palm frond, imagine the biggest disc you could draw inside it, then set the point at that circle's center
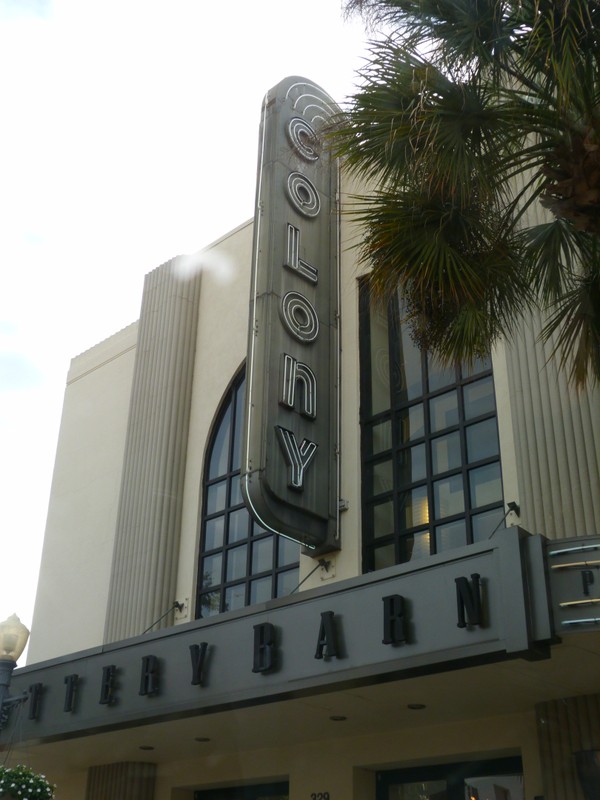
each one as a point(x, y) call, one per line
point(575, 328)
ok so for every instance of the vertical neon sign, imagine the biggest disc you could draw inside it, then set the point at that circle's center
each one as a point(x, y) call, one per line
point(290, 459)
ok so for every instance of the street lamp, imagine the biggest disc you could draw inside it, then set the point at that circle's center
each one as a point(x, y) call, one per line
point(13, 638)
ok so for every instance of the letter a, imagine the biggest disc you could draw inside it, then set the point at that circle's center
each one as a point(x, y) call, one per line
point(468, 598)
point(327, 644)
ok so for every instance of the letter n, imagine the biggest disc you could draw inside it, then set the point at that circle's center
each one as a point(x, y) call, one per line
point(327, 643)
point(468, 599)
point(294, 373)
point(394, 620)
point(264, 647)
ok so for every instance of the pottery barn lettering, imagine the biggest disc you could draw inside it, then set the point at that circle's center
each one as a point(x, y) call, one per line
point(485, 602)
point(289, 472)
point(266, 643)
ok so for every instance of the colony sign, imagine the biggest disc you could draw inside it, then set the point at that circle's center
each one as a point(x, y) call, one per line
point(290, 465)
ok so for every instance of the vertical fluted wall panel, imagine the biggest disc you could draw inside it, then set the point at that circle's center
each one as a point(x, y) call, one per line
point(127, 781)
point(556, 433)
point(149, 515)
point(566, 727)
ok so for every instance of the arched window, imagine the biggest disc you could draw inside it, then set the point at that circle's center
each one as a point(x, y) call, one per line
point(240, 563)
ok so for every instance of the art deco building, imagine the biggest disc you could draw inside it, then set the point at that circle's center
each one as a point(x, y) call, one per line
point(290, 556)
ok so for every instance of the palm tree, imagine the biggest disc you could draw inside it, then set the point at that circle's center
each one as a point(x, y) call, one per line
point(467, 115)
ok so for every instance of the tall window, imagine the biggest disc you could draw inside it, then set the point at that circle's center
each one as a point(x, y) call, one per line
point(431, 463)
point(240, 563)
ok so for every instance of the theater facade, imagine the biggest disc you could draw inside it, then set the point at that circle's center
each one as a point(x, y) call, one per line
point(290, 556)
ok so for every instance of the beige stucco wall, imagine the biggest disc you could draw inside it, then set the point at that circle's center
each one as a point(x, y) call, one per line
point(73, 585)
point(549, 434)
point(549, 430)
point(341, 765)
point(220, 353)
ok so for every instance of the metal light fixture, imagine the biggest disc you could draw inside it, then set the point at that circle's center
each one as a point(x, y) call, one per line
point(13, 638)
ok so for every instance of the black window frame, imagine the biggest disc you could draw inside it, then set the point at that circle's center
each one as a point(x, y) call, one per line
point(403, 538)
point(281, 570)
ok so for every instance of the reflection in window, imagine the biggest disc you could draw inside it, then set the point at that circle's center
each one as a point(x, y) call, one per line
point(430, 453)
point(240, 563)
point(492, 779)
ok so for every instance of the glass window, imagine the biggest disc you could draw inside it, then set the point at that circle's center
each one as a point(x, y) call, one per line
point(407, 368)
point(486, 485)
point(414, 509)
point(383, 518)
point(380, 363)
point(238, 525)
point(381, 436)
point(213, 534)
point(419, 790)
point(228, 578)
point(453, 534)
point(236, 491)
point(441, 435)
point(412, 464)
point(216, 498)
point(486, 779)
point(443, 411)
point(412, 423)
point(261, 590)
point(486, 523)
point(262, 555)
point(439, 375)
point(235, 597)
point(416, 546)
point(448, 496)
point(268, 791)
point(220, 452)
point(287, 582)
point(287, 552)
point(381, 476)
point(237, 559)
point(479, 398)
point(211, 570)
point(385, 556)
point(445, 453)
point(482, 440)
point(210, 604)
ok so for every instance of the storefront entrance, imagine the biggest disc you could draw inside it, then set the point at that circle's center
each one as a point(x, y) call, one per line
point(497, 779)
point(267, 791)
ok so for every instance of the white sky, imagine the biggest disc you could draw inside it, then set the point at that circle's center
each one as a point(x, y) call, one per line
point(128, 135)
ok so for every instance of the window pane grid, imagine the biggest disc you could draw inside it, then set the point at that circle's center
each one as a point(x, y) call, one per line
point(445, 455)
point(240, 563)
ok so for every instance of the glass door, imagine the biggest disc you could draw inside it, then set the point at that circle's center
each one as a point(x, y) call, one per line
point(267, 791)
point(495, 779)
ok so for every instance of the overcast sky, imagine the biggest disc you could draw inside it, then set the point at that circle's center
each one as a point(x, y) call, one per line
point(128, 135)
